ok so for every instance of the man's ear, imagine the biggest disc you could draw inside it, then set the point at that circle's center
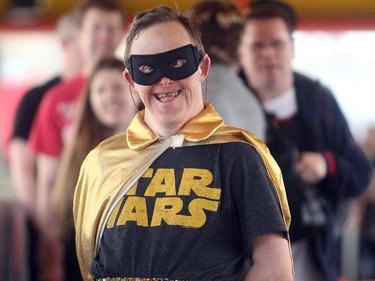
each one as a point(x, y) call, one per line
point(205, 66)
point(128, 78)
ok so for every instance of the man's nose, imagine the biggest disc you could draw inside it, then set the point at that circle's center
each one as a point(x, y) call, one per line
point(165, 81)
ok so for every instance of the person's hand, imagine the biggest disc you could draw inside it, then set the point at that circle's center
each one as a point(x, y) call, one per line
point(50, 260)
point(312, 167)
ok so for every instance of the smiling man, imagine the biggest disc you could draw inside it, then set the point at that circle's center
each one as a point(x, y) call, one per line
point(180, 195)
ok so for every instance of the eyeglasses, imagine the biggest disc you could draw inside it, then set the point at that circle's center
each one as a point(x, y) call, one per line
point(276, 45)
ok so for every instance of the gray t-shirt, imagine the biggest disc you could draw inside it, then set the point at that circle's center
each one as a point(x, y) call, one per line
point(191, 216)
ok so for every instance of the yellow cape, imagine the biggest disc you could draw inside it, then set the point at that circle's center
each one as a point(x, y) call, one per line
point(120, 160)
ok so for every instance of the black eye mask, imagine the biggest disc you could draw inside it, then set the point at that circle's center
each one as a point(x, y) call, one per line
point(175, 64)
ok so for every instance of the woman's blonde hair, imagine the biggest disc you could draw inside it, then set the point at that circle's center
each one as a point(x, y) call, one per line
point(88, 132)
point(223, 18)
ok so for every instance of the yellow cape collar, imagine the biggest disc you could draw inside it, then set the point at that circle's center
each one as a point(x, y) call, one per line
point(199, 128)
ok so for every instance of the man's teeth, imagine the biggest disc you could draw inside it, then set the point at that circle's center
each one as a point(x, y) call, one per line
point(172, 95)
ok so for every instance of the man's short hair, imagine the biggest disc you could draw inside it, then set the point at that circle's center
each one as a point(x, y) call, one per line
point(104, 5)
point(159, 15)
point(267, 9)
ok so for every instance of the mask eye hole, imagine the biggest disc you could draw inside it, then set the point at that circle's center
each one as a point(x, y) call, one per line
point(146, 69)
point(178, 63)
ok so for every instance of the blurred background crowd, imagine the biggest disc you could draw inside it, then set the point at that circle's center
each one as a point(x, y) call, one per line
point(333, 43)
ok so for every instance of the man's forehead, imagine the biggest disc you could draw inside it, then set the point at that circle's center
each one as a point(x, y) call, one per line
point(97, 13)
point(269, 24)
point(270, 29)
point(160, 38)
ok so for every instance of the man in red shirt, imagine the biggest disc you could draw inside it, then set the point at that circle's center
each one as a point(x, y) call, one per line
point(100, 32)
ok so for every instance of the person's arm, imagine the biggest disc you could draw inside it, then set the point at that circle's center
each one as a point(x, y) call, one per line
point(348, 170)
point(50, 248)
point(45, 141)
point(22, 169)
point(49, 254)
point(272, 259)
point(47, 167)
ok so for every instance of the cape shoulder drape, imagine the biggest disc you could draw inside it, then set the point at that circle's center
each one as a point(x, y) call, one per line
point(118, 162)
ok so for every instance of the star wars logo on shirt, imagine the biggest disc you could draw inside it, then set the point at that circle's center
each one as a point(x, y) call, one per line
point(158, 198)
